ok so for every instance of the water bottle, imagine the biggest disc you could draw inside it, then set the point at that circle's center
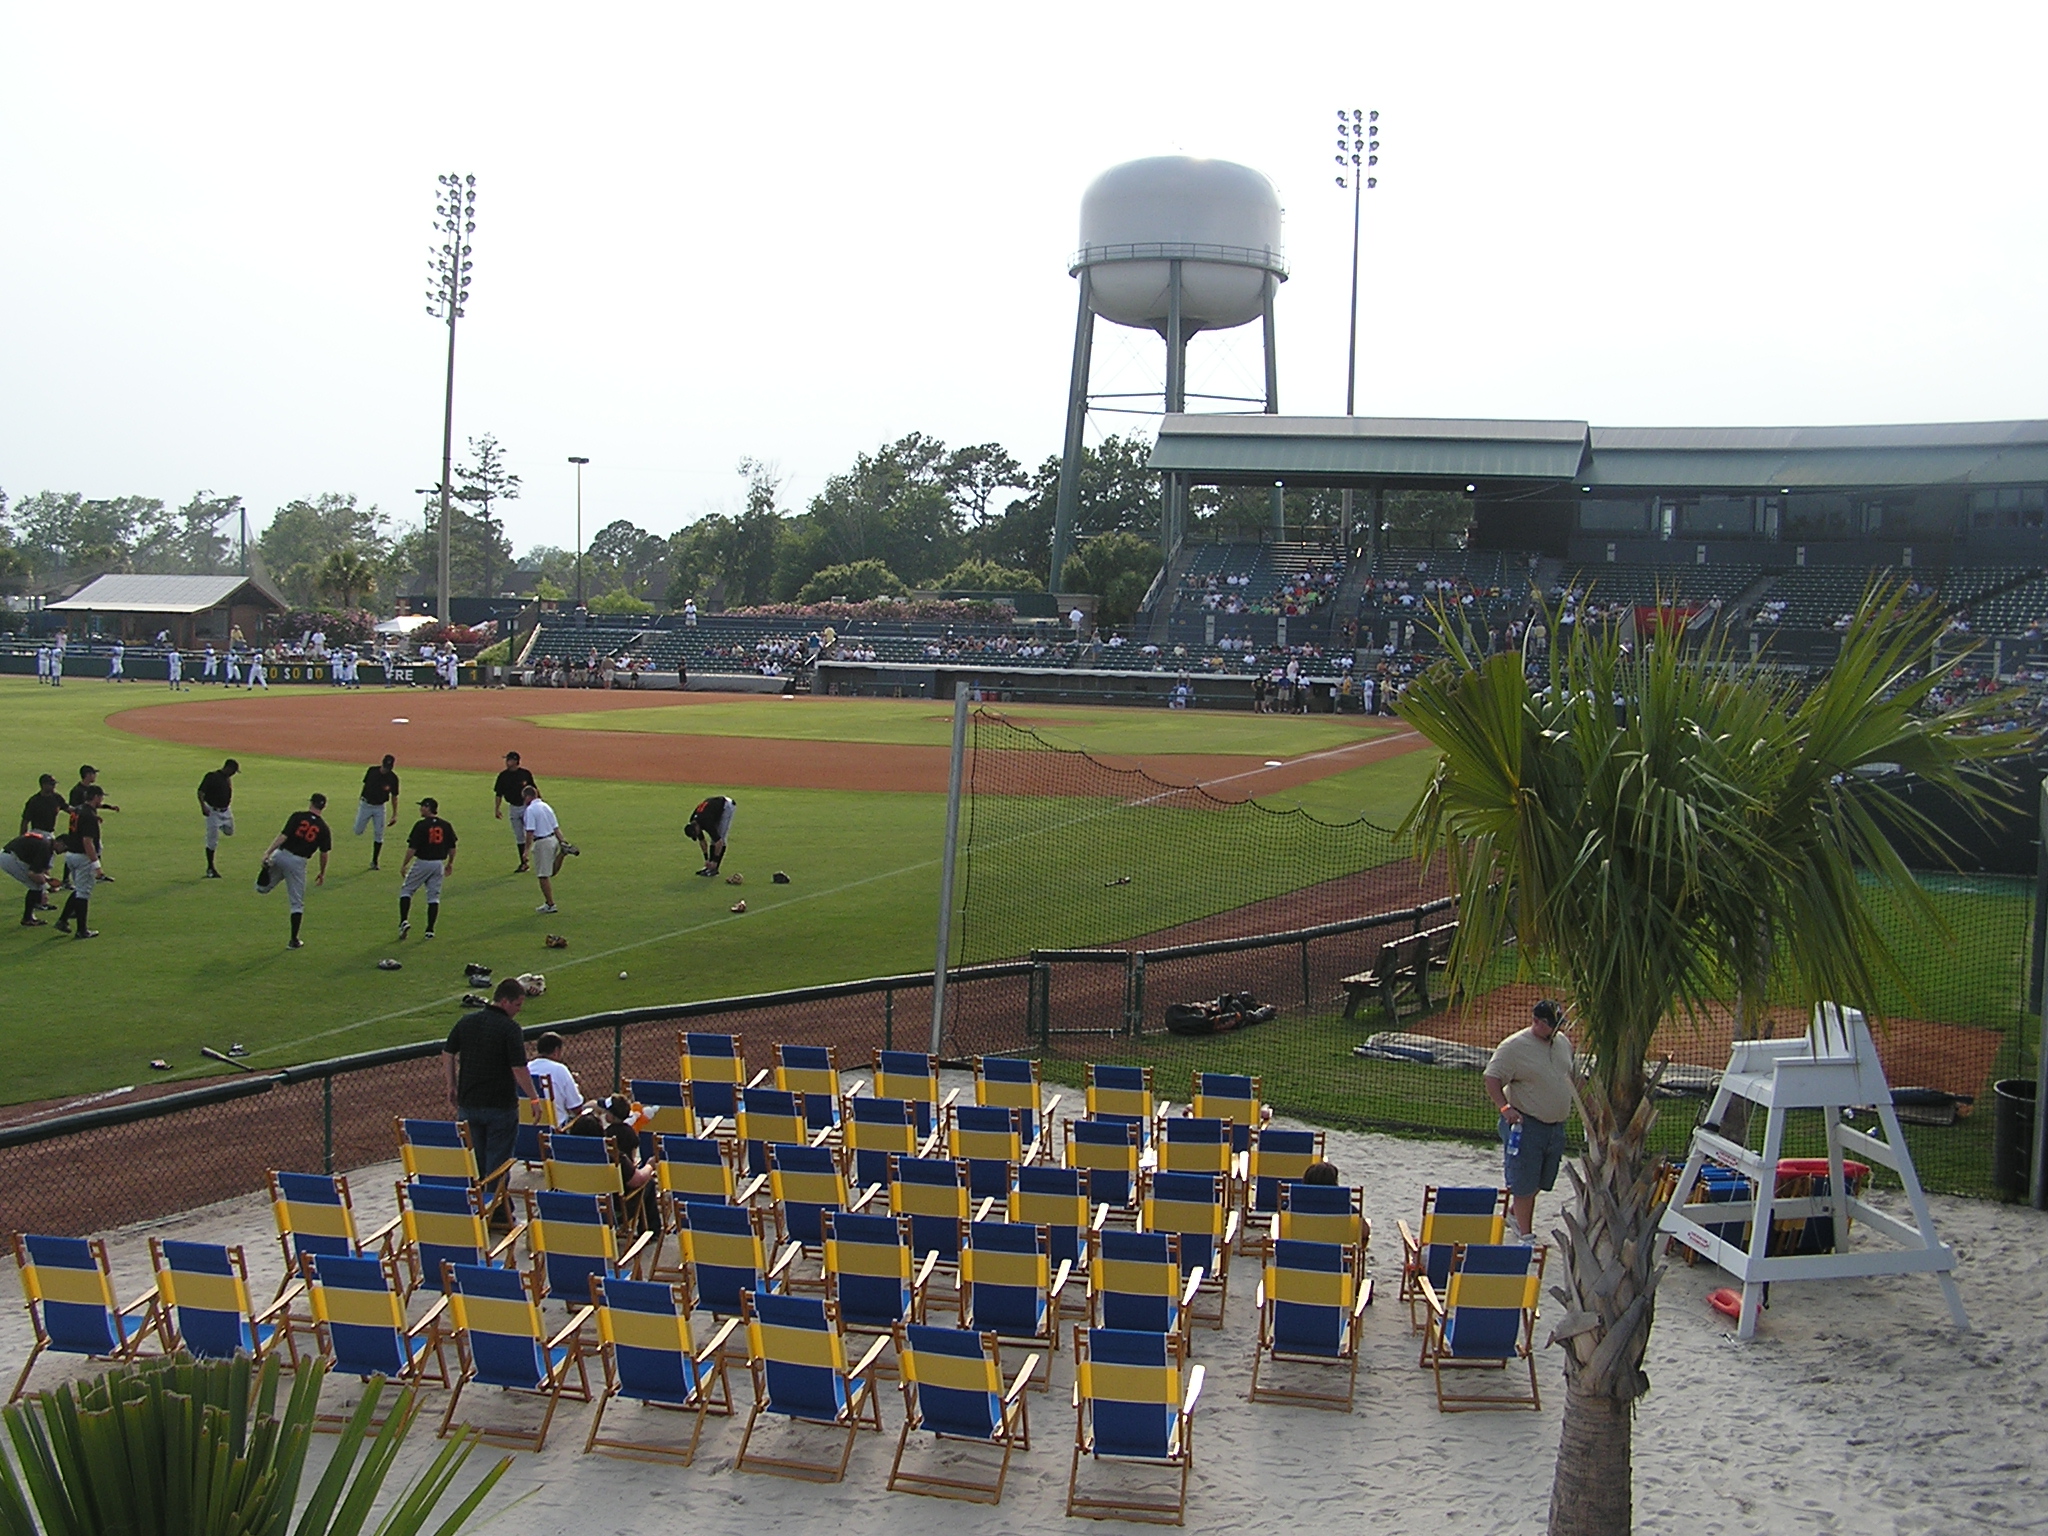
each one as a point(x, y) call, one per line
point(1514, 1138)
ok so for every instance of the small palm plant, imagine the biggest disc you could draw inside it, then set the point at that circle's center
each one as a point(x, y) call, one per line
point(179, 1447)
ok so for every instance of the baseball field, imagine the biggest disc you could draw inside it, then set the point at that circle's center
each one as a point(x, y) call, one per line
point(845, 796)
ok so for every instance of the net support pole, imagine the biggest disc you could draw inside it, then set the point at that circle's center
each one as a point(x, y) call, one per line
point(954, 775)
point(2037, 1183)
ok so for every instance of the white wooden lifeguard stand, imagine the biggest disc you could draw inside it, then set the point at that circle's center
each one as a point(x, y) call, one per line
point(1833, 1067)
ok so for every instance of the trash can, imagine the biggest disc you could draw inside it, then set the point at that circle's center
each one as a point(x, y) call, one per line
point(2012, 1137)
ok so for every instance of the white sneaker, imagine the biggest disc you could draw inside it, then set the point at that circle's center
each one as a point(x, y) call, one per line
point(545, 907)
point(403, 930)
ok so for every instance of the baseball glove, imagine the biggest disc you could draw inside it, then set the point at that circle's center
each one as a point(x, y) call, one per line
point(555, 941)
point(561, 857)
point(735, 879)
point(534, 983)
point(739, 906)
point(265, 876)
point(390, 965)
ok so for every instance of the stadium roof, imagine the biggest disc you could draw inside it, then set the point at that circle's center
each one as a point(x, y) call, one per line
point(166, 594)
point(1368, 450)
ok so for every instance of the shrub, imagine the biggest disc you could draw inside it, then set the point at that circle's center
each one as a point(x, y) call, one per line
point(860, 582)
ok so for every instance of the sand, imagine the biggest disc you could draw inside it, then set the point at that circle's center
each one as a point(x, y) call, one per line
point(1857, 1407)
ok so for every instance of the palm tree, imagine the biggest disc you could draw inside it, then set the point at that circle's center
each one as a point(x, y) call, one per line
point(1648, 827)
point(346, 573)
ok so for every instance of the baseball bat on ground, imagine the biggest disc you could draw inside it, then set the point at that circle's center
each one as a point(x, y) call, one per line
point(239, 1066)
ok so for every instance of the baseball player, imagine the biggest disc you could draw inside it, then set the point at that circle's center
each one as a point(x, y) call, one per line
point(256, 677)
point(82, 863)
point(216, 796)
point(28, 859)
point(174, 669)
point(429, 859)
point(42, 664)
point(708, 826)
point(89, 779)
point(114, 662)
point(509, 793)
point(209, 666)
point(380, 789)
point(284, 863)
point(234, 668)
point(545, 846)
point(40, 812)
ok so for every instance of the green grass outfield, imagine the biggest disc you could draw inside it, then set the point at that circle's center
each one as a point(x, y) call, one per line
point(184, 962)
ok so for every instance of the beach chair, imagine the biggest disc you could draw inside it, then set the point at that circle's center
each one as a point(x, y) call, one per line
point(869, 1275)
point(805, 1183)
point(1233, 1097)
point(1451, 1215)
point(714, 1066)
point(651, 1357)
point(690, 1168)
point(1484, 1319)
point(1057, 1199)
point(500, 1341)
point(438, 1152)
point(359, 1325)
point(1136, 1284)
point(1123, 1093)
point(536, 1115)
point(1107, 1151)
point(932, 1192)
point(798, 1358)
point(444, 1224)
point(765, 1116)
point(1008, 1285)
point(953, 1388)
point(1195, 1207)
point(990, 1140)
point(813, 1071)
point(575, 1239)
point(582, 1165)
point(1009, 1082)
point(877, 1130)
point(665, 1108)
point(1188, 1144)
point(1134, 1401)
point(727, 1256)
point(913, 1075)
point(1276, 1157)
point(315, 1214)
point(1311, 1302)
point(205, 1292)
point(1323, 1213)
point(68, 1288)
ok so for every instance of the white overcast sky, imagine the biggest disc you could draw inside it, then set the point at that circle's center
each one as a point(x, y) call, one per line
point(795, 231)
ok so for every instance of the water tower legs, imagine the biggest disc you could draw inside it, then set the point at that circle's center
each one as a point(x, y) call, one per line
point(1077, 419)
point(1273, 403)
point(1173, 498)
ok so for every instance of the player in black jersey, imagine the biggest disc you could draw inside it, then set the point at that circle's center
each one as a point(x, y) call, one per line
point(28, 859)
point(380, 797)
point(82, 862)
point(216, 801)
point(305, 834)
point(429, 859)
point(509, 793)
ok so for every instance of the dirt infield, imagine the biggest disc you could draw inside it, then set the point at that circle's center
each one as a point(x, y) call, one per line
point(473, 728)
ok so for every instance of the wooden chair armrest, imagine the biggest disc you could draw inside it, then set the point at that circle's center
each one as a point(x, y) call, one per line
point(1230, 1231)
point(852, 1091)
point(1434, 1302)
point(1411, 1250)
point(866, 1197)
point(1045, 1114)
point(1164, 1110)
point(630, 1259)
point(1240, 1166)
point(783, 1260)
point(498, 1172)
point(1059, 1281)
point(572, 1328)
point(285, 1298)
point(1101, 1218)
point(924, 1270)
point(874, 1353)
point(508, 1242)
point(752, 1191)
point(1022, 1379)
point(381, 1238)
point(1259, 1296)
point(1032, 1149)
point(759, 1078)
point(713, 1128)
point(988, 1203)
point(821, 1136)
point(947, 1102)
point(147, 1298)
point(1077, 1394)
point(930, 1144)
point(719, 1340)
point(1364, 1297)
point(431, 1318)
point(1187, 1295)
point(1195, 1379)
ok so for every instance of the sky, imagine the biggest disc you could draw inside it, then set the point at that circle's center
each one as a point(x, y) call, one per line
point(795, 232)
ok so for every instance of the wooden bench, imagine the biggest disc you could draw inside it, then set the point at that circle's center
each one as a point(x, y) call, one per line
point(1402, 965)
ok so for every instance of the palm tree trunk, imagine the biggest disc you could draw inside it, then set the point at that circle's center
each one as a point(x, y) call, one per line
point(1609, 1291)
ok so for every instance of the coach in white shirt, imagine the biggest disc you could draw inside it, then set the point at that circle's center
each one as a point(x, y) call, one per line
point(543, 845)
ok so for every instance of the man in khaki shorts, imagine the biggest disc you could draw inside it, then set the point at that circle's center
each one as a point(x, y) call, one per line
point(1530, 1083)
point(545, 847)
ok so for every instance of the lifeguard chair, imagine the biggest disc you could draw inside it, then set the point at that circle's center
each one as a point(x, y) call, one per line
point(1833, 1067)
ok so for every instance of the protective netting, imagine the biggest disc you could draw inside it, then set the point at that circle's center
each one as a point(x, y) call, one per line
point(1063, 850)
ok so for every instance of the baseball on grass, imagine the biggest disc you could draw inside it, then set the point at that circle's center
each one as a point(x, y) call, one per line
point(622, 975)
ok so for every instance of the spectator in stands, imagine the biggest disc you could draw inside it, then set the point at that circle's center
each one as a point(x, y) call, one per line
point(565, 1096)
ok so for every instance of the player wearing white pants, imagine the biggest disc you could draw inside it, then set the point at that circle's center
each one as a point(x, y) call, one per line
point(209, 669)
point(174, 669)
point(256, 677)
point(284, 862)
point(114, 672)
point(429, 859)
point(234, 669)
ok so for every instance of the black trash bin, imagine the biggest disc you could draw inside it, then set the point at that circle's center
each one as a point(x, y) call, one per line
point(2012, 1137)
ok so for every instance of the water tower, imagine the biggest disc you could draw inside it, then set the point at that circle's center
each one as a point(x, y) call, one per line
point(1174, 245)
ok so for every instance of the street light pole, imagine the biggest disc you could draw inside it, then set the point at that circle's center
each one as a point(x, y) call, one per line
point(455, 218)
point(579, 463)
point(1358, 143)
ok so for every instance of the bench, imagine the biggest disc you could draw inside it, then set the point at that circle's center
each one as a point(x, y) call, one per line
point(1402, 964)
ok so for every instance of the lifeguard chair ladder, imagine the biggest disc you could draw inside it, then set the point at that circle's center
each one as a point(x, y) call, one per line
point(1833, 1067)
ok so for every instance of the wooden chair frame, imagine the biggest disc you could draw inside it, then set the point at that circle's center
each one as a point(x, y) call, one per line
point(1012, 1433)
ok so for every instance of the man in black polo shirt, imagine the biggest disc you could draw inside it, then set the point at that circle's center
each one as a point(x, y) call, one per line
point(216, 795)
point(284, 862)
point(82, 861)
point(485, 1063)
point(380, 798)
point(28, 859)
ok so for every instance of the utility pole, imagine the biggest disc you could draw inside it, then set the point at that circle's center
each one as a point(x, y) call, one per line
point(579, 463)
point(1358, 143)
point(455, 219)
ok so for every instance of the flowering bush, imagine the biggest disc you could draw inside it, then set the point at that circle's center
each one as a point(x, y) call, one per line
point(353, 626)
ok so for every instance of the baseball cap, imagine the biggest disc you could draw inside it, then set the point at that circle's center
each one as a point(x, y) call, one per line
point(1549, 1013)
point(85, 768)
point(430, 804)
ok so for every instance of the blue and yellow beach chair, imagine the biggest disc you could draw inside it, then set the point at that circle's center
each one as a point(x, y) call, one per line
point(315, 1215)
point(651, 1357)
point(575, 1239)
point(1008, 1285)
point(1107, 1151)
point(582, 1165)
point(913, 1075)
point(1009, 1082)
point(953, 1388)
point(1057, 1199)
point(1323, 1213)
point(767, 1116)
point(1136, 1283)
point(536, 1116)
point(691, 1168)
point(798, 1358)
point(359, 1323)
point(205, 1291)
point(1277, 1156)
point(813, 1071)
point(68, 1287)
point(1451, 1214)
point(1195, 1207)
point(664, 1107)
point(932, 1192)
point(1484, 1319)
point(990, 1140)
point(438, 1152)
point(499, 1337)
point(1123, 1093)
point(1188, 1144)
point(1233, 1097)
point(1133, 1402)
point(444, 1224)
point(805, 1182)
point(727, 1255)
point(715, 1067)
point(1311, 1302)
point(875, 1131)
point(869, 1273)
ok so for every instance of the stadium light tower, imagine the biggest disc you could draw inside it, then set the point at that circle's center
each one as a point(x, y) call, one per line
point(448, 276)
point(579, 463)
point(1358, 151)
